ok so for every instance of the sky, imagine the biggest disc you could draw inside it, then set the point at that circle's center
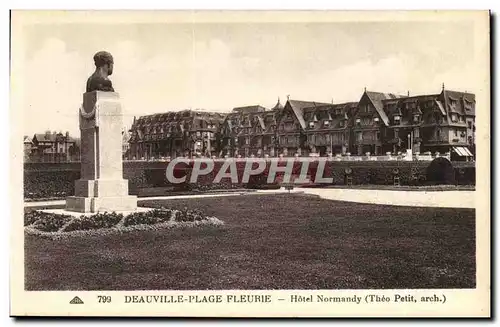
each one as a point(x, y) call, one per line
point(214, 66)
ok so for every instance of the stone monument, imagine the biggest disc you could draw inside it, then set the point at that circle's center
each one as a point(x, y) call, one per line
point(101, 186)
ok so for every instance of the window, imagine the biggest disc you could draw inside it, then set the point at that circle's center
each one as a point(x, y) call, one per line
point(358, 121)
point(396, 133)
point(337, 111)
point(397, 119)
point(341, 123)
point(376, 119)
point(327, 123)
point(311, 124)
point(469, 124)
point(438, 132)
point(377, 135)
point(460, 119)
point(454, 118)
point(456, 132)
point(416, 118)
point(359, 136)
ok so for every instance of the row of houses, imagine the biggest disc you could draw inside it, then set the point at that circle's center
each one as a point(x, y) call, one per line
point(57, 147)
point(51, 146)
point(376, 124)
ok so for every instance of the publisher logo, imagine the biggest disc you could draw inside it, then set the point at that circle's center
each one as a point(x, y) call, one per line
point(76, 300)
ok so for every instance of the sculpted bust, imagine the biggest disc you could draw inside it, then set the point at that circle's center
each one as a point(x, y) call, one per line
point(99, 80)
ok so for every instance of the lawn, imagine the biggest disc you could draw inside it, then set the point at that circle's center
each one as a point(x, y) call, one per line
point(286, 241)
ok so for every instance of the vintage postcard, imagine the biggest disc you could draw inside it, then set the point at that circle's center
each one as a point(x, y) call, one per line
point(250, 164)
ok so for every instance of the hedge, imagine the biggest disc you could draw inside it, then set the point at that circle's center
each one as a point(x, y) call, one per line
point(44, 180)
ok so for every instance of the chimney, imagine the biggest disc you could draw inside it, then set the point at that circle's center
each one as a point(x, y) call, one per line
point(408, 92)
point(67, 135)
point(443, 86)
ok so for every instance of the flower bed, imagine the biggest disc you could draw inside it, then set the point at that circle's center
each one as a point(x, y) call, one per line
point(97, 221)
point(57, 225)
point(45, 222)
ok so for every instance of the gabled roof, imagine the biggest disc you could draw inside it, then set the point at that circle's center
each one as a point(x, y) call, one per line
point(261, 122)
point(299, 106)
point(377, 99)
point(126, 137)
point(441, 108)
point(45, 137)
point(27, 139)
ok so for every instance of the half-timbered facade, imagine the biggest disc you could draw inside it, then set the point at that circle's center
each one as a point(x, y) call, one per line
point(441, 122)
point(378, 123)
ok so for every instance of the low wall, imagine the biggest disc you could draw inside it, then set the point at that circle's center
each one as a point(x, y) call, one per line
point(47, 180)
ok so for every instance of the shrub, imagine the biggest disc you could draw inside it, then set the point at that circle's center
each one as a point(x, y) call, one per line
point(186, 215)
point(149, 218)
point(46, 222)
point(440, 171)
point(31, 216)
point(97, 221)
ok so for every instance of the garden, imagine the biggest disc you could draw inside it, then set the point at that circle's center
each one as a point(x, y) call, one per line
point(280, 241)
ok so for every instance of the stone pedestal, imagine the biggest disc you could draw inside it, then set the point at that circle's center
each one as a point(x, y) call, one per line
point(101, 186)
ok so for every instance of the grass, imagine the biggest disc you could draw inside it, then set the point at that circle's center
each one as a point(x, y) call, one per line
point(286, 241)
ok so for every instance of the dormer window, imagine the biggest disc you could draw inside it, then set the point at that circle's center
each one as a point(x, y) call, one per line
point(416, 118)
point(376, 119)
point(311, 124)
point(454, 118)
point(397, 119)
point(327, 123)
point(341, 123)
point(337, 111)
point(358, 121)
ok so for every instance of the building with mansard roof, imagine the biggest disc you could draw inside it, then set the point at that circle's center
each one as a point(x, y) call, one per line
point(442, 122)
point(172, 134)
point(306, 127)
point(248, 131)
point(376, 124)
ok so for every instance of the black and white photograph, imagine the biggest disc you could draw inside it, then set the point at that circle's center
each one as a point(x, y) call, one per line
point(232, 163)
